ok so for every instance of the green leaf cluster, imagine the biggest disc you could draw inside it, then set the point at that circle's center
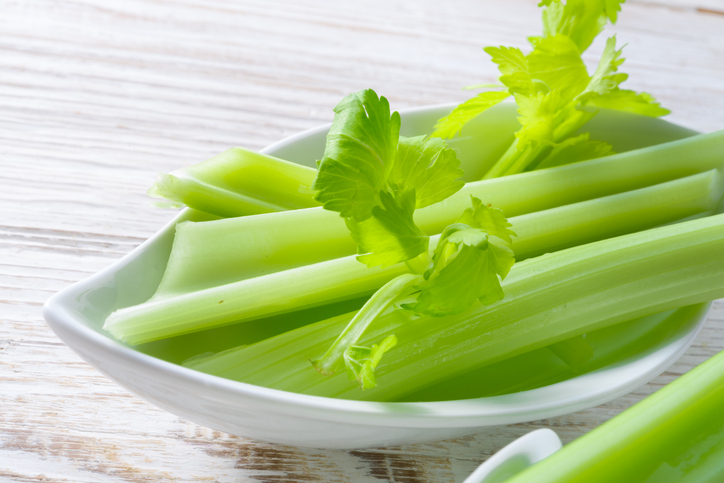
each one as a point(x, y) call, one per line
point(376, 179)
point(553, 90)
point(470, 260)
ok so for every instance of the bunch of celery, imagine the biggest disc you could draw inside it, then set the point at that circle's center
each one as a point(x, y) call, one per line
point(584, 284)
point(285, 266)
point(437, 255)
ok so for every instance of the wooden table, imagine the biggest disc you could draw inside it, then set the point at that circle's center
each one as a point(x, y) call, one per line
point(97, 97)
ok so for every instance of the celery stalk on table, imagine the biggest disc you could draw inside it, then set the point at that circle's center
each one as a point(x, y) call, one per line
point(674, 435)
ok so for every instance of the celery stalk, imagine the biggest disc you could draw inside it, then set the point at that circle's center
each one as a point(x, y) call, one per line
point(547, 188)
point(279, 241)
point(609, 216)
point(239, 182)
point(675, 435)
point(516, 161)
point(210, 254)
point(527, 371)
point(205, 301)
point(548, 299)
point(542, 367)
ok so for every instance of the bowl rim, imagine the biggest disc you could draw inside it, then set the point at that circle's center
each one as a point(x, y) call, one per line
point(516, 407)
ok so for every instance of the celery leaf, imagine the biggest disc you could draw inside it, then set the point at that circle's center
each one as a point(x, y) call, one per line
point(513, 66)
point(629, 101)
point(390, 235)
point(606, 78)
point(612, 7)
point(579, 20)
point(572, 150)
point(492, 220)
point(537, 117)
point(360, 151)
point(429, 167)
point(487, 218)
point(554, 66)
point(557, 61)
point(467, 265)
point(450, 125)
point(469, 262)
point(376, 179)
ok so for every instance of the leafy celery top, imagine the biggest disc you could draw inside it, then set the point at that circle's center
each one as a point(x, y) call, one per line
point(553, 90)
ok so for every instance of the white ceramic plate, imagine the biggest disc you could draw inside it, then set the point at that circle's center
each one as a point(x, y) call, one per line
point(77, 313)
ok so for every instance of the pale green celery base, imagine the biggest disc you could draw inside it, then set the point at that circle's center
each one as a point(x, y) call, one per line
point(239, 182)
point(548, 299)
point(173, 313)
point(675, 435)
point(241, 248)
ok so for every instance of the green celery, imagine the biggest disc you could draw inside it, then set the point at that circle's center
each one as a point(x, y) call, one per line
point(239, 182)
point(554, 93)
point(542, 367)
point(208, 254)
point(527, 371)
point(210, 305)
point(548, 299)
point(674, 435)
point(551, 230)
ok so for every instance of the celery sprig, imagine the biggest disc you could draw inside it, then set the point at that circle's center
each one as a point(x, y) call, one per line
point(553, 90)
point(376, 180)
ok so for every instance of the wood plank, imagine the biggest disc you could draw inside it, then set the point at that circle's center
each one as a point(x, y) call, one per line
point(97, 97)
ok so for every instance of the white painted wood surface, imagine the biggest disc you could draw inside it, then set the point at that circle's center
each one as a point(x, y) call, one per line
point(96, 97)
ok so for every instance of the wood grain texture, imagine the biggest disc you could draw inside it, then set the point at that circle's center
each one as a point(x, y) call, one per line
point(97, 97)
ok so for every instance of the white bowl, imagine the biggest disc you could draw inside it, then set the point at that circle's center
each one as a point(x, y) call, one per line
point(76, 315)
